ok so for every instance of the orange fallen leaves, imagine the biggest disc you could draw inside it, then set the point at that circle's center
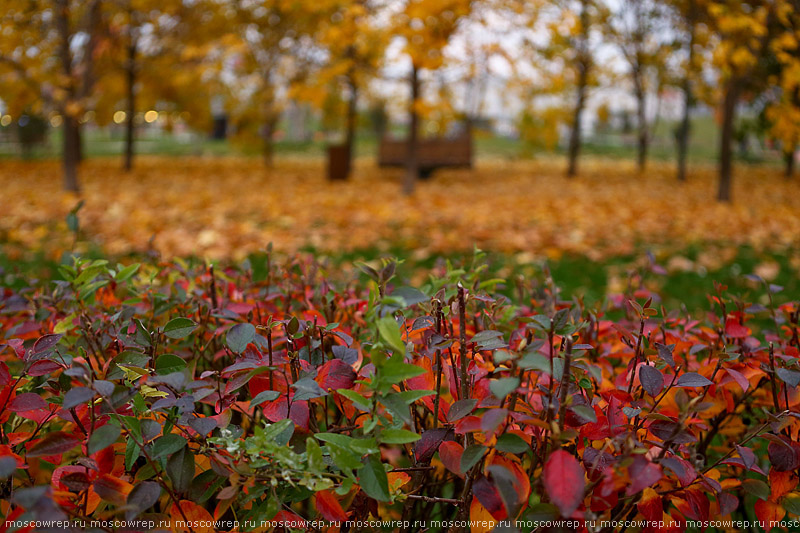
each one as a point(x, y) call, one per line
point(227, 208)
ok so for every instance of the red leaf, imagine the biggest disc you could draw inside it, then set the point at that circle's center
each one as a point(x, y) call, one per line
point(329, 507)
point(734, 330)
point(426, 446)
point(27, 401)
point(43, 367)
point(563, 481)
point(643, 474)
point(450, 453)
point(651, 506)
point(335, 374)
point(278, 410)
point(738, 378)
point(290, 520)
point(54, 443)
point(489, 497)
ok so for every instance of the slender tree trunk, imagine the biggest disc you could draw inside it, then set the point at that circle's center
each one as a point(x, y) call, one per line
point(584, 63)
point(641, 112)
point(130, 71)
point(71, 135)
point(575, 133)
point(268, 149)
point(350, 138)
point(412, 164)
point(688, 99)
point(726, 139)
point(788, 159)
point(685, 128)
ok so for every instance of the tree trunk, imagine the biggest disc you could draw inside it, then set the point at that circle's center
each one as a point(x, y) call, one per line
point(575, 133)
point(71, 153)
point(268, 148)
point(350, 138)
point(789, 163)
point(688, 99)
point(130, 71)
point(683, 131)
point(726, 139)
point(641, 112)
point(412, 165)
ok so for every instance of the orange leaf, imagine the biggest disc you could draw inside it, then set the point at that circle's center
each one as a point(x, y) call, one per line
point(397, 480)
point(780, 483)
point(197, 517)
point(329, 507)
point(482, 519)
point(768, 512)
point(112, 489)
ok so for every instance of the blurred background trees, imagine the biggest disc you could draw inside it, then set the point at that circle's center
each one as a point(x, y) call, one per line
point(549, 73)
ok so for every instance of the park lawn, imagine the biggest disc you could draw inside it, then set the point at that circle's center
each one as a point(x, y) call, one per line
point(220, 208)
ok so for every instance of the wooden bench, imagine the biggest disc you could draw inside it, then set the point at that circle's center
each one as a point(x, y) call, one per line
point(433, 153)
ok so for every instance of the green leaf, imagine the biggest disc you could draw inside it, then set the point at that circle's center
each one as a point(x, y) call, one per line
point(362, 446)
point(373, 479)
point(395, 370)
point(398, 436)
point(127, 272)
point(239, 336)
point(395, 404)
point(344, 458)
point(585, 413)
point(180, 469)
point(757, 488)
point(103, 437)
point(264, 396)
point(65, 324)
point(460, 409)
point(167, 445)
point(358, 400)
point(503, 387)
point(471, 456)
point(390, 333)
point(307, 389)
point(132, 453)
point(512, 443)
point(143, 496)
point(791, 502)
point(169, 363)
point(178, 328)
point(411, 396)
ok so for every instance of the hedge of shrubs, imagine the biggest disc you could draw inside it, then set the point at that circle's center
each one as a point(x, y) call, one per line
point(276, 397)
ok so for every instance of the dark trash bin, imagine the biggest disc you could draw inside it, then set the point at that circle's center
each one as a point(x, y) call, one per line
point(338, 162)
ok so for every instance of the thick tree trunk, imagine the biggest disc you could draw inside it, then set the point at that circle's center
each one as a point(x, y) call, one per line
point(575, 133)
point(71, 153)
point(130, 71)
point(350, 138)
point(789, 163)
point(412, 164)
point(726, 139)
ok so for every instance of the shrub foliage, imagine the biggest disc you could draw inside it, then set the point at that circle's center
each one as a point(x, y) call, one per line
point(269, 395)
